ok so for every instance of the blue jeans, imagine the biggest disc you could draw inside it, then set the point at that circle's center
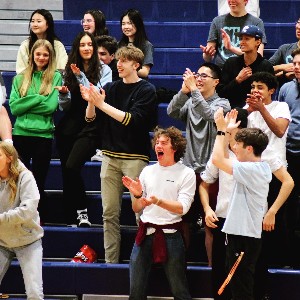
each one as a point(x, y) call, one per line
point(174, 267)
point(30, 259)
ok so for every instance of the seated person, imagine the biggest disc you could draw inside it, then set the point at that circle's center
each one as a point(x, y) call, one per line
point(107, 46)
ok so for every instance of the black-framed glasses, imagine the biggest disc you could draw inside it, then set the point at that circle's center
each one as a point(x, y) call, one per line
point(203, 76)
point(88, 21)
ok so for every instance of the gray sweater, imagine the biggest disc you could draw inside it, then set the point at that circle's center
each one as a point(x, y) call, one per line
point(198, 115)
point(19, 219)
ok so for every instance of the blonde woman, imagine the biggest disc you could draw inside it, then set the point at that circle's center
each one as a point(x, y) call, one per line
point(33, 101)
point(20, 232)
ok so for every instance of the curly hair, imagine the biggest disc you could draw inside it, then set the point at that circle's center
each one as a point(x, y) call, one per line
point(14, 168)
point(178, 141)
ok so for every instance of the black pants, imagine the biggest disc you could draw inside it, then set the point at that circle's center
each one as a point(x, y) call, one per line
point(74, 151)
point(242, 282)
point(219, 272)
point(38, 150)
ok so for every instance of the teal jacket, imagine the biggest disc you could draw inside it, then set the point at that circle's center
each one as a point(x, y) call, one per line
point(34, 112)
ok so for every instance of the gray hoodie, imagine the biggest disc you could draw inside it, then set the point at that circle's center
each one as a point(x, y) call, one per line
point(19, 219)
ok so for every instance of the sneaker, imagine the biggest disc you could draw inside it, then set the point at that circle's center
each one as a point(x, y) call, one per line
point(83, 220)
point(98, 156)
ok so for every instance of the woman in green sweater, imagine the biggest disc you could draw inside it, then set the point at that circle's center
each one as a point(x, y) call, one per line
point(33, 100)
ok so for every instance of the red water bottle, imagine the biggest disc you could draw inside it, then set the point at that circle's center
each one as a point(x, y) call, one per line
point(85, 255)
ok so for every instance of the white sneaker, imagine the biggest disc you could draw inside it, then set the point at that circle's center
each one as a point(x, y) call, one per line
point(83, 220)
point(98, 156)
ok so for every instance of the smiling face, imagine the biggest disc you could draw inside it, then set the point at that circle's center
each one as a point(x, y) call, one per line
point(205, 82)
point(41, 58)
point(262, 89)
point(249, 43)
point(126, 68)
point(164, 151)
point(88, 23)
point(38, 25)
point(241, 152)
point(237, 6)
point(128, 28)
point(86, 48)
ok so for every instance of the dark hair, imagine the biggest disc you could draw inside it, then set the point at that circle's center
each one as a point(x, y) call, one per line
point(93, 71)
point(254, 137)
point(215, 70)
point(50, 34)
point(140, 36)
point(265, 77)
point(295, 52)
point(242, 116)
point(178, 141)
point(100, 22)
point(108, 42)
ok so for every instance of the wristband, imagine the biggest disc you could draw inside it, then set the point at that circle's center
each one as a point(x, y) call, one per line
point(219, 132)
point(138, 196)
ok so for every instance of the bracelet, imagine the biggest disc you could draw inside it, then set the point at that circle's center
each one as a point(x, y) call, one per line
point(90, 119)
point(157, 202)
point(219, 132)
point(139, 196)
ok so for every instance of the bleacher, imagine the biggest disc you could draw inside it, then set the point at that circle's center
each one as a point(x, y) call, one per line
point(176, 28)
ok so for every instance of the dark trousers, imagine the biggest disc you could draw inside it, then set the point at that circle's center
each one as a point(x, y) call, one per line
point(242, 282)
point(219, 272)
point(275, 244)
point(38, 150)
point(292, 209)
point(74, 151)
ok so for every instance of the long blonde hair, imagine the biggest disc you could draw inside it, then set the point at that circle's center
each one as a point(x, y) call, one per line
point(15, 168)
point(48, 73)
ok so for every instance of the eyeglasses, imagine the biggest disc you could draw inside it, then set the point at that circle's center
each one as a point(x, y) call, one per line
point(88, 21)
point(203, 76)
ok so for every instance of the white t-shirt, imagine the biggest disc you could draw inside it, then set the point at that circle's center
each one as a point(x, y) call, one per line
point(252, 7)
point(226, 183)
point(275, 153)
point(176, 182)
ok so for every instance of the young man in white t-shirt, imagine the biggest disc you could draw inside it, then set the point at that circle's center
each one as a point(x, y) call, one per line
point(273, 118)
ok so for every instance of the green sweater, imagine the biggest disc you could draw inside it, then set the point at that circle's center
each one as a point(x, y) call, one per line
point(34, 112)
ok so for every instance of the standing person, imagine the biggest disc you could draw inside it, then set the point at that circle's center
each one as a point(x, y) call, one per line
point(94, 22)
point(282, 59)
point(163, 194)
point(41, 26)
point(134, 33)
point(33, 100)
point(76, 142)
point(237, 70)
point(222, 42)
point(289, 93)
point(248, 203)
point(252, 7)
point(273, 118)
point(19, 197)
point(124, 111)
point(195, 104)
